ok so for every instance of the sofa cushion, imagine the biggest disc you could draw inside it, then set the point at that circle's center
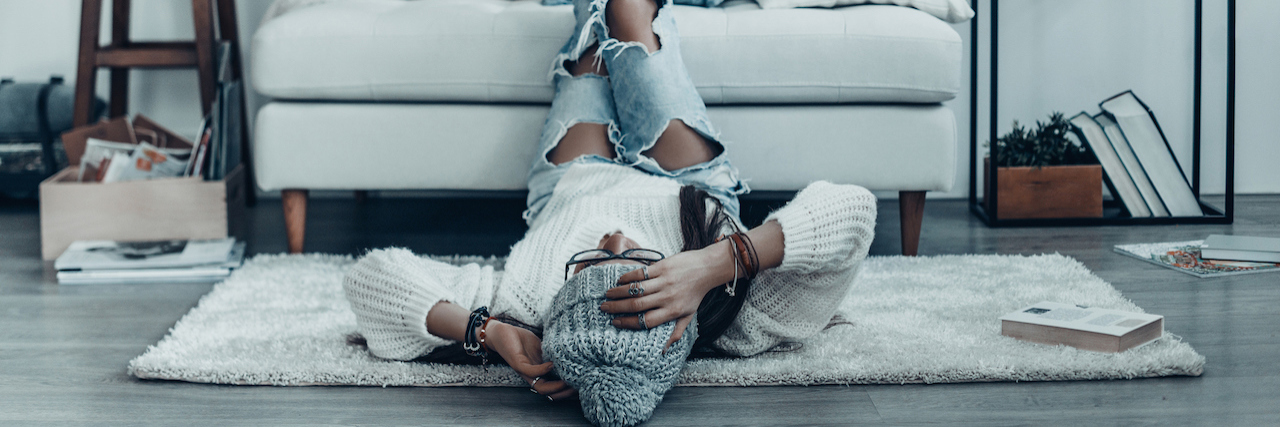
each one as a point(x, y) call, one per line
point(501, 51)
point(441, 146)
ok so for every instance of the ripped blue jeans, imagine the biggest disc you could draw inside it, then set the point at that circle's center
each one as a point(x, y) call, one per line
point(643, 92)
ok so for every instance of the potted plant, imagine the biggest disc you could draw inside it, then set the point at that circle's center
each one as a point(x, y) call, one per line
point(1043, 174)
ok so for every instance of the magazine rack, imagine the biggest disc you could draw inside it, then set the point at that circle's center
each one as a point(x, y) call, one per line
point(1113, 212)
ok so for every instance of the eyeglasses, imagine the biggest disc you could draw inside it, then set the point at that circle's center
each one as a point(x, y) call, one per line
point(596, 256)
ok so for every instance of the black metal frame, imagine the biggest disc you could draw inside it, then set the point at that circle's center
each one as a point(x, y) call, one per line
point(1112, 213)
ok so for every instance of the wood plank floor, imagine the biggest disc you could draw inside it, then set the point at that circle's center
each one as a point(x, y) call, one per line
point(63, 350)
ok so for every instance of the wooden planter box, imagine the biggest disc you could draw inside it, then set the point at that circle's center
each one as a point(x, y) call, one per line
point(1047, 192)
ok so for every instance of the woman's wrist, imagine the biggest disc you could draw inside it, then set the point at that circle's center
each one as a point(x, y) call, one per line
point(720, 261)
point(488, 331)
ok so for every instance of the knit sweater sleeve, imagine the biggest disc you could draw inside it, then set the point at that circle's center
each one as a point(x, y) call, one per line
point(827, 230)
point(392, 290)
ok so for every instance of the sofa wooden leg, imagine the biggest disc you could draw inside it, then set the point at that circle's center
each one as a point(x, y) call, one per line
point(911, 214)
point(295, 217)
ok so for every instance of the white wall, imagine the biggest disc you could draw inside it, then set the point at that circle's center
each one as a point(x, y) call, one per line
point(1055, 55)
point(41, 37)
point(1067, 56)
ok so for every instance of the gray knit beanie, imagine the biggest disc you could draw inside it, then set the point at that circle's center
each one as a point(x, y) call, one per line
point(620, 374)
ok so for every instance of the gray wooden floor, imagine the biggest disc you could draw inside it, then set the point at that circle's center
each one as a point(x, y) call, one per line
point(63, 350)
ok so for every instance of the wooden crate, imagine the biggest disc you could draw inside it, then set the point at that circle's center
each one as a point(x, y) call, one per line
point(1048, 192)
point(174, 208)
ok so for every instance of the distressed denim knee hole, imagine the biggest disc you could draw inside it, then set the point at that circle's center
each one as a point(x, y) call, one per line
point(624, 12)
point(606, 149)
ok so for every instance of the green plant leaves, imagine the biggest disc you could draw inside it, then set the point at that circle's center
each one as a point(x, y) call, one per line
point(1046, 145)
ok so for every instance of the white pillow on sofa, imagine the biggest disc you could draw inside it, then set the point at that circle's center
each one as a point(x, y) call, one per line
point(952, 11)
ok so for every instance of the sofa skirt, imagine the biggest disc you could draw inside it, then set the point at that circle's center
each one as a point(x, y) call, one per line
point(486, 146)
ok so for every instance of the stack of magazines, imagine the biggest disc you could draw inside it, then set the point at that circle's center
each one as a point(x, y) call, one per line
point(164, 261)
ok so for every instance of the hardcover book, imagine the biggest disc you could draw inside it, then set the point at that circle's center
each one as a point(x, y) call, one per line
point(1131, 165)
point(1143, 133)
point(1241, 248)
point(1086, 328)
point(1122, 185)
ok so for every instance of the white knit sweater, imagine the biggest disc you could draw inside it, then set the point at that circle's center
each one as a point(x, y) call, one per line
point(827, 230)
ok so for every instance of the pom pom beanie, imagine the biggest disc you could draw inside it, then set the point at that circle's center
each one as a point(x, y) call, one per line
point(620, 374)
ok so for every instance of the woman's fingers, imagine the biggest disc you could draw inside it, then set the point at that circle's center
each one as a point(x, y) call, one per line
point(652, 319)
point(678, 332)
point(632, 305)
point(522, 366)
point(623, 292)
point(549, 387)
point(568, 394)
point(639, 274)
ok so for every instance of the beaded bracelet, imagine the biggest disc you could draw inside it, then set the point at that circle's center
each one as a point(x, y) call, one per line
point(484, 327)
point(470, 343)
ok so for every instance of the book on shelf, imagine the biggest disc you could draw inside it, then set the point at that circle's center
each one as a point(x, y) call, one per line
point(1185, 257)
point(1241, 248)
point(1118, 178)
point(1143, 133)
point(1131, 165)
point(1086, 328)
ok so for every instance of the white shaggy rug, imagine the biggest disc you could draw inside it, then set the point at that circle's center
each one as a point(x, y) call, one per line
point(282, 320)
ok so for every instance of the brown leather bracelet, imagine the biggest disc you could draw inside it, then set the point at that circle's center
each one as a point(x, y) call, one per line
point(755, 256)
point(744, 255)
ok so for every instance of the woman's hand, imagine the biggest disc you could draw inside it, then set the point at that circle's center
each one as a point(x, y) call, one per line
point(523, 351)
point(674, 290)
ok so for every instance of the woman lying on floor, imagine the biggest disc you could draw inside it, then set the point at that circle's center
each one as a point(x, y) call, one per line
point(633, 188)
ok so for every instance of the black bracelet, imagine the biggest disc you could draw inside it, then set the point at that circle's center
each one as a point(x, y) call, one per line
point(470, 343)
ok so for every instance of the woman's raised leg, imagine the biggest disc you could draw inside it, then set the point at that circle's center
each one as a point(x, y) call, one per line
point(664, 124)
point(679, 146)
point(581, 126)
point(584, 138)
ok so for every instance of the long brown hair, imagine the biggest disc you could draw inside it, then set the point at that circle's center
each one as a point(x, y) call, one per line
point(700, 229)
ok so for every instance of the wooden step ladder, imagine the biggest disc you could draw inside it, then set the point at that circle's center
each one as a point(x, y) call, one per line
point(123, 54)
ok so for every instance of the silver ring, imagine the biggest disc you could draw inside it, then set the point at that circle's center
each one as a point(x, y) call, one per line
point(645, 270)
point(634, 289)
point(535, 382)
point(642, 325)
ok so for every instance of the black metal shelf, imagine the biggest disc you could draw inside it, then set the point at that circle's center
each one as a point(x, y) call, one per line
point(1112, 214)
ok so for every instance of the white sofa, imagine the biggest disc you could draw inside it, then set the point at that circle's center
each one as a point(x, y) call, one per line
point(452, 95)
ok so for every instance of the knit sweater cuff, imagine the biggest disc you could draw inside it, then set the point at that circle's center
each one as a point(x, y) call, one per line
point(824, 225)
point(391, 294)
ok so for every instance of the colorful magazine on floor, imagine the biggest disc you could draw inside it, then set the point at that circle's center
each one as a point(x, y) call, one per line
point(1185, 257)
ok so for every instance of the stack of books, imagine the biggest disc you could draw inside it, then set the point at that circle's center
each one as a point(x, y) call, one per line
point(165, 261)
point(1140, 168)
